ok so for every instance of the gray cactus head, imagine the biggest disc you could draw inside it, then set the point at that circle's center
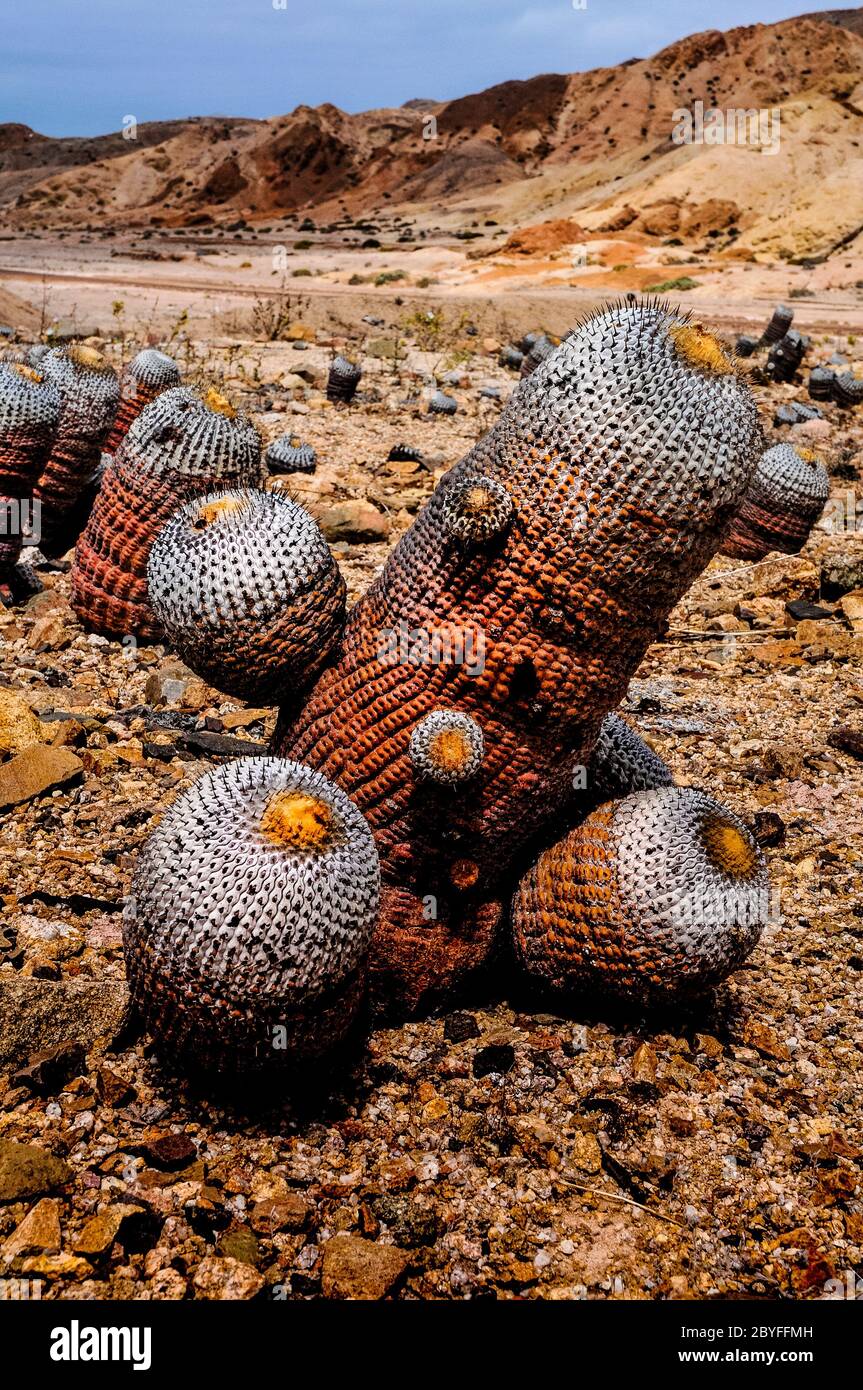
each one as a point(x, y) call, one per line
point(247, 591)
point(192, 436)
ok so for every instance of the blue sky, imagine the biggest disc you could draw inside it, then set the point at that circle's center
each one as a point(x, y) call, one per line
point(77, 67)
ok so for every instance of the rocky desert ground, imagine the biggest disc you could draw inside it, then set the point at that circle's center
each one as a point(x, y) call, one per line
point(505, 1149)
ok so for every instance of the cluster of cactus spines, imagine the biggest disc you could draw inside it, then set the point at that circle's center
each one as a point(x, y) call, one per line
point(249, 920)
point(447, 746)
point(247, 592)
point(343, 380)
point(181, 446)
point(476, 509)
point(621, 763)
point(780, 322)
point(289, 455)
point(787, 494)
point(442, 404)
point(651, 899)
point(89, 396)
point(29, 412)
point(625, 455)
point(144, 378)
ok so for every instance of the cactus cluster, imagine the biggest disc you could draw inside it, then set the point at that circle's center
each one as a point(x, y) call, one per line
point(624, 457)
point(419, 812)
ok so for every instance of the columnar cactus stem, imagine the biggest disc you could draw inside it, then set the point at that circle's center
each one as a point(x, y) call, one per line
point(180, 446)
point(89, 394)
point(624, 455)
point(144, 378)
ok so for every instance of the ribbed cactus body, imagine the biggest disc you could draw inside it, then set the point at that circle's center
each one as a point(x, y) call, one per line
point(29, 411)
point(624, 456)
point(442, 404)
point(249, 919)
point(179, 447)
point(848, 389)
point(788, 493)
point(344, 378)
point(247, 592)
point(651, 899)
point(622, 763)
point(540, 348)
point(290, 455)
point(89, 395)
point(780, 322)
point(144, 378)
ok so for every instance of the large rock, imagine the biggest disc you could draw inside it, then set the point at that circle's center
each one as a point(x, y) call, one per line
point(28, 1171)
point(354, 520)
point(19, 727)
point(36, 1015)
point(38, 1233)
point(360, 1269)
point(38, 769)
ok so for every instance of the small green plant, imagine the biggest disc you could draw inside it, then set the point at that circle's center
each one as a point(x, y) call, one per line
point(683, 282)
point(388, 277)
point(297, 274)
point(302, 245)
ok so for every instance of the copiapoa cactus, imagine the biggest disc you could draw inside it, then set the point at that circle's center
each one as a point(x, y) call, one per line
point(289, 455)
point(89, 396)
point(344, 378)
point(249, 920)
point(181, 446)
point(651, 899)
point(785, 498)
point(247, 592)
point(29, 412)
point(148, 374)
point(624, 457)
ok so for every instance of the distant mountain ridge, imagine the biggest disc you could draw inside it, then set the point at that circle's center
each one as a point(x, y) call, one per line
point(595, 146)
